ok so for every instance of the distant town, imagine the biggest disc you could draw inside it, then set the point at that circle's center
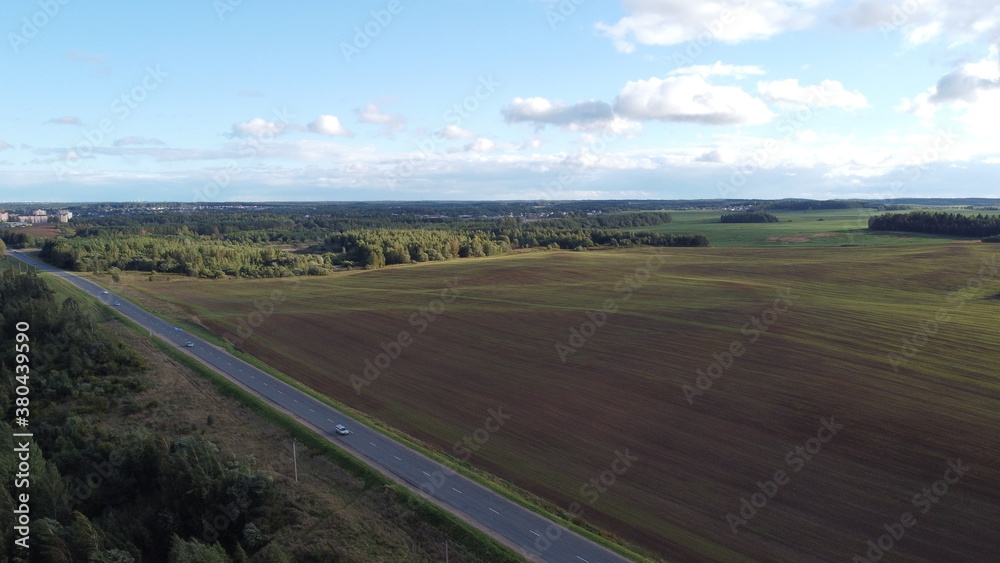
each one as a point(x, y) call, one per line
point(36, 216)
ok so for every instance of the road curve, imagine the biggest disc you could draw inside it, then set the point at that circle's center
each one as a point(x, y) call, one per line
point(533, 536)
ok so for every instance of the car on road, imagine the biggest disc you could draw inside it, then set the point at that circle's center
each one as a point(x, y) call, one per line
point(189, 344)
point(105, 292)
point(118, 304)
point(342, 430)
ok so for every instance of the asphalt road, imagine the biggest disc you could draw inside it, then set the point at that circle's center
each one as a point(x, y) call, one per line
point(533, 536)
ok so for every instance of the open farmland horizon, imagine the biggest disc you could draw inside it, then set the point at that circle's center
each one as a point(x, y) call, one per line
point(662, 389)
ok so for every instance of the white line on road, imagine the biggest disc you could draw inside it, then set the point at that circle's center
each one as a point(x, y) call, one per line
point(311, 410)
point(372, 443)
point(582, 559)
point(328, 420)
point(426, 473)
point(397, 457)
point(495, 511)
point(456, 490)
point(534, 532)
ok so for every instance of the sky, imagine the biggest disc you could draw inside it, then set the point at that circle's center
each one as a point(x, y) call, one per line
point(248, 100)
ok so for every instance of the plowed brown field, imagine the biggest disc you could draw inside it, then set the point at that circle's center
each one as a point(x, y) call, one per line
point(821, 352)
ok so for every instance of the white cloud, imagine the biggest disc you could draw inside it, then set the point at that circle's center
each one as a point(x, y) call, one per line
point(481, 145)
point(533, 143)
point(65, 120)
point(828, 93)
point(5, 145)
point(544, 112)
point(970, 88)
point(672, 22)
point(456, 132)
point(721, 155)
point(590, 115)
point(329, 125)
point(719, 69)
point(259, 128)
point(689, 98)
point(373, 114)
point(922, 21)
point(140, 141)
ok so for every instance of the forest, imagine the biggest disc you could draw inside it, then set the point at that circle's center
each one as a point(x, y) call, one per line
point(256, 244)
point(938, 222)
point(748, 217)
point(112, 497)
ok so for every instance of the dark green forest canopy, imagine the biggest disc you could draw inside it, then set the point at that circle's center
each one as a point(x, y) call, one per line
point(247, 243)
point(157, 495)
point(938, 222)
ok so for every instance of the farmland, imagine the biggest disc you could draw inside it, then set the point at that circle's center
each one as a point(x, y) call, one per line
point(790, 335)
point(829, 227)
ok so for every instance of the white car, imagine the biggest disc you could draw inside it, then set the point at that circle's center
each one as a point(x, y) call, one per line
point(189, 344)
point(105, 292)
point(342, 430)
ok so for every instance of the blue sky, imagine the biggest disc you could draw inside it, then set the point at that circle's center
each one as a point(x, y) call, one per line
point(248, 100)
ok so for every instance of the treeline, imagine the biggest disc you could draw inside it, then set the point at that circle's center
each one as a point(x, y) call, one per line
point(609, 220)
point(189, 255)
point(814, 205)
point(15, 239)
point(938, 222)
point(243, 244)
point(384, 247)
point(117, 497)
point(748, 217)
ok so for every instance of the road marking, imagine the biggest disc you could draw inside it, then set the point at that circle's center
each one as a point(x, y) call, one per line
point(372, 443)
point(534, 532)
point(310, 410)
point(495, 511)
point(456, 490)
point(582, 559)
point(397, 457)
point(426, 473)
point(328, 420)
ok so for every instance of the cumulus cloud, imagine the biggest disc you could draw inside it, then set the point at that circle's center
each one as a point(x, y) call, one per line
point(718, 69)
point(137, 141)
point(966, 85)
point(481, 145)
point(373, 114)
point(591, 115)
point(921, 22)
point(329, 125)
point(5, 145)
point(721, 155)
point(260, 128)
point(456, 132)
point(65, 120)
point(689, 98)
point(531, 144)
point(828, 93)
point(544, 112)
point(672, 22)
